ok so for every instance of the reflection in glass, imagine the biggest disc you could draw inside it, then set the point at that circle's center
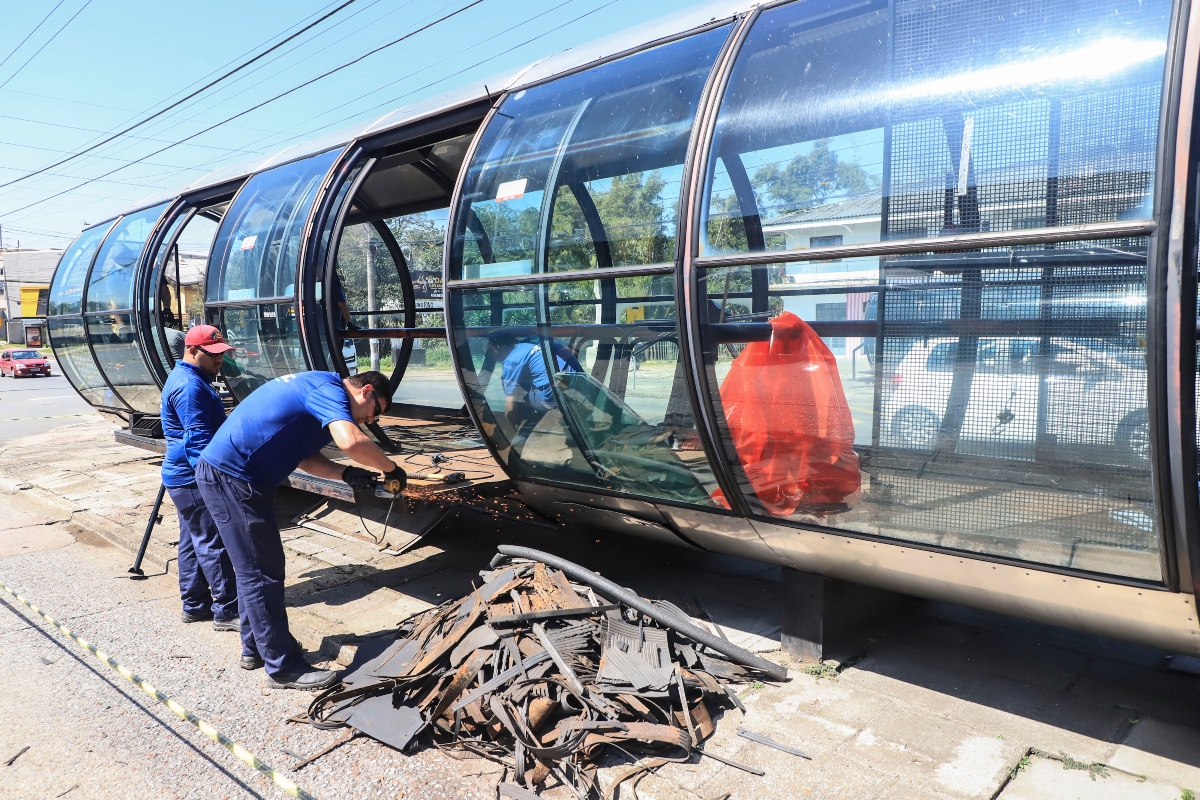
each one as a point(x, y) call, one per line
point(110, 287)
point(66, 290)
point(178, 281)
point(935, 119)
point(257, 247)
point(581, 383)
point(998, 398)
point(114, 341)
point(584, 172)
point(71, 351)
point(429, 379)
point(267, 343)
point(165, 322)
point(367, 285)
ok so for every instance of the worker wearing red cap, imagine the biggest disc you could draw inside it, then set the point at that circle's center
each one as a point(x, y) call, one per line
point(191, 413)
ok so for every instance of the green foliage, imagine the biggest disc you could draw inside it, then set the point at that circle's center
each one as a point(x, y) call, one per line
point(809, 179)
point(726, 227)
point(1094, 768)
point(1187, 794)
point(634, 214)
point(361, 249)
point(822, 669)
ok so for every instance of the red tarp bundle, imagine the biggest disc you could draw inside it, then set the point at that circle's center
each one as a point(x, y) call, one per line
point(790, 421)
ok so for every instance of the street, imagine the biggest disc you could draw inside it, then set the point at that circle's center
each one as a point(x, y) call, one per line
point(36, 405)
point(928, 700)
point(92, 734)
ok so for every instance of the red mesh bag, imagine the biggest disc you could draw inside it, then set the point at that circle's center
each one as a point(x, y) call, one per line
point(790, 422)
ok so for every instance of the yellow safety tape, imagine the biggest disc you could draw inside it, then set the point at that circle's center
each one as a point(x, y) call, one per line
point(282, 781)
point(53, 416)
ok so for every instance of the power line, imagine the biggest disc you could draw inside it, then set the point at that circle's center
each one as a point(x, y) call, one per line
point(444, 78)
point(252, 108)
point(36, 28)
point(46, 43)
point(223, 100)
point(176, 104)
point(140, 138)
point(186, 100)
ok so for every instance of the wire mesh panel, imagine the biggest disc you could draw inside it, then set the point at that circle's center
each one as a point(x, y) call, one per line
point(877, 121)
point(998, 399)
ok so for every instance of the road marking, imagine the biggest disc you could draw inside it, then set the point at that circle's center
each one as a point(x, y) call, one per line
point(55, 416)
point(282, 781)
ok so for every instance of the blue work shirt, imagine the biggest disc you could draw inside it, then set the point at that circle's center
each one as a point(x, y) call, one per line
point(524, 374)
point(191, 413)
point(279, 425)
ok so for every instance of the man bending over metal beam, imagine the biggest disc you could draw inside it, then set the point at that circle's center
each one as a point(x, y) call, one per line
point(280, 427)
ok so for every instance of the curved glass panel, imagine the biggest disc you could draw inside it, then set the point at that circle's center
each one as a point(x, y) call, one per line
point(71, 350)
point(584, 172)
point(429, 379)
point(177, 283)
point(114, 341)
point(991, 401)
point(257, 247)
point(168, 347)
point(267, 343)
point(110, 287)
point(369, 293)
point(581, 383)
point(849, 123)
point(66, 288)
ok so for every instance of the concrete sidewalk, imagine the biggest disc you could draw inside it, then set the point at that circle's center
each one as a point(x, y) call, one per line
point(928, 701)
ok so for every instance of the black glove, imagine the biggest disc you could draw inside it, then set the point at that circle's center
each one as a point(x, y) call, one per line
point(362, 481)
point(395, 481)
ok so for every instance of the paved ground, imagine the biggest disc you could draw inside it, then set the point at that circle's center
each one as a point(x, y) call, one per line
point(928, 701)
point(37, 405)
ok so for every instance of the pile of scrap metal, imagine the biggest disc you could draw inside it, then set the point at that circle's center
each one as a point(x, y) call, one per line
point(542, 668)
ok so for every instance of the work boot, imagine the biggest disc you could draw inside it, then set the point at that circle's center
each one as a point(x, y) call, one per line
point(250, 662)
point(234, 624)
point(309, 679)
point(200, 616)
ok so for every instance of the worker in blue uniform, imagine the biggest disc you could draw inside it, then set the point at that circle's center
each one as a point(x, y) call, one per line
point(280, 427)
point(528, 394)
point(191, 413)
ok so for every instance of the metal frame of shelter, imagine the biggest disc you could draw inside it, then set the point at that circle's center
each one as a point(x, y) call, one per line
point(1158, 611)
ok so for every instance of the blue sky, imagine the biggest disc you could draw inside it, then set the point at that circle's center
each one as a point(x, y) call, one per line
point(116, 60)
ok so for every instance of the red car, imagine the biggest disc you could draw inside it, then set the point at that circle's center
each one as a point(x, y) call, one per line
point(23, 363)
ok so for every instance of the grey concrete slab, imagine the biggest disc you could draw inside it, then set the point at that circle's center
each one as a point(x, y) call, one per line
point(1047, 779)
point(1169, 751)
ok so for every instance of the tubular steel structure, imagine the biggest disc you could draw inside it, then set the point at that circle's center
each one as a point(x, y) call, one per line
point(984, 213)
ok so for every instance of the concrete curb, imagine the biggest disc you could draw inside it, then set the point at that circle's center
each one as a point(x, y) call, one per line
point(157, 556)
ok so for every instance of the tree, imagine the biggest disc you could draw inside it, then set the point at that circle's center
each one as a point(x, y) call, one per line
point(806, 180)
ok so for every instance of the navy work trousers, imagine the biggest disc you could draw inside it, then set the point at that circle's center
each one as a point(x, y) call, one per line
point(206, 580)
point(245, 513)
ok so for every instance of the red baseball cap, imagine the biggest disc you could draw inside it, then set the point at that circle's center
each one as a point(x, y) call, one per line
point(207, 337)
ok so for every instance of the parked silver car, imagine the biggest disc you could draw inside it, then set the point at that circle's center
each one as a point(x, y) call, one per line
point(1094, 401)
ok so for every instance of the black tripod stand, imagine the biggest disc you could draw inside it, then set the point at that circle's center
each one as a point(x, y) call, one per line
point(155, 519)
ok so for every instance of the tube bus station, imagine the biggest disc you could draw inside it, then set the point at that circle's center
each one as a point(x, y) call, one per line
point(1003, 279)
point(890, 294)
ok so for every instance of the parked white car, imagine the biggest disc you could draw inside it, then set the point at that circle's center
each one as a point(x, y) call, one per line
point(1094, 404)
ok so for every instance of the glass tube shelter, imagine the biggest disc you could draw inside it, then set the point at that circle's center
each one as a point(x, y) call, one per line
point(849, 287)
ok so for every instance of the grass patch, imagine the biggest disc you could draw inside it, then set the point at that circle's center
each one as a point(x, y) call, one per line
point(1021, 766)
point(1187, 794)
point(1094, 768)
point(822, 669)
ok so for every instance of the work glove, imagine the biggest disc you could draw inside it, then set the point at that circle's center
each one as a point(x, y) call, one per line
point(362, 481)
point(395, 481)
